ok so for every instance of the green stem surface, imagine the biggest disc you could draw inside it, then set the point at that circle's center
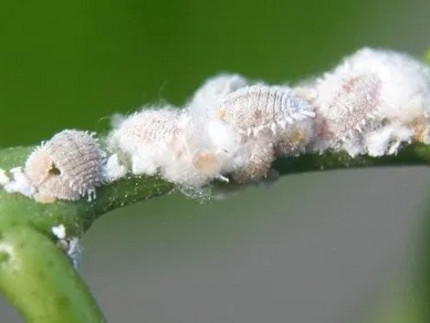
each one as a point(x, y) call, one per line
point(38, 280)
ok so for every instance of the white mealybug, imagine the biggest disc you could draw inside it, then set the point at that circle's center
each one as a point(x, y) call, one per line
point(146, 138)
point(268, 119)
point(345, 109)
point(164, 142)
point(261, 107)
point(372, 102)
point(66, 167)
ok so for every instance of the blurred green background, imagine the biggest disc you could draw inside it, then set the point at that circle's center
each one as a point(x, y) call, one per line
point(332, 247)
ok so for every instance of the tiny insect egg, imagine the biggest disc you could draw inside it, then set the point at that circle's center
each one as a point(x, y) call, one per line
point(66, 167)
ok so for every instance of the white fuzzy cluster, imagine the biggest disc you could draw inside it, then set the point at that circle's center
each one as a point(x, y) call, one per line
point(265, 122)
point(228, 127)
point(372, 102)
point(17, 182)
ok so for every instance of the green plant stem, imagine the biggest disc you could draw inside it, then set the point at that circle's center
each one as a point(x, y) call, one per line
point(45, 282)
point(78, 216)
point(38, 280)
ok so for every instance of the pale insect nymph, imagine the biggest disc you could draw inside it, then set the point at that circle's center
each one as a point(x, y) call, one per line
point(66, 167)
point(268, 119)
point(262, 107)
point(146, 138)
point(165, 142)
point(372, 102)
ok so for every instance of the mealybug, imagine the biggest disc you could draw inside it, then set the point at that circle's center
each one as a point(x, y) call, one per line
point(147, 138)
point(261, 107)
point(348, 106)
point(264, 116)
point(66, 167)
point(372, 102)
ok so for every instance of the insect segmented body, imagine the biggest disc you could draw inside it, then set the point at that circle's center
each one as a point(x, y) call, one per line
point(164, 142)
point(372, 102)
point(146, 137)
point(264, 116)
point(66, 167)
point(261, 107)
point(350, 107)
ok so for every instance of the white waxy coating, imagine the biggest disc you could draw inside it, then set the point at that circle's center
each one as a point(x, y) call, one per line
point(59, 231)
point(227, 128)
point(371, 103)
point(209, 96)
point(271, 121)
point(113, 169)
point(66, 167)
point(214, 144)
point(18, 183)
point(162, 141)
point(147, 137)
point(370, 90)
